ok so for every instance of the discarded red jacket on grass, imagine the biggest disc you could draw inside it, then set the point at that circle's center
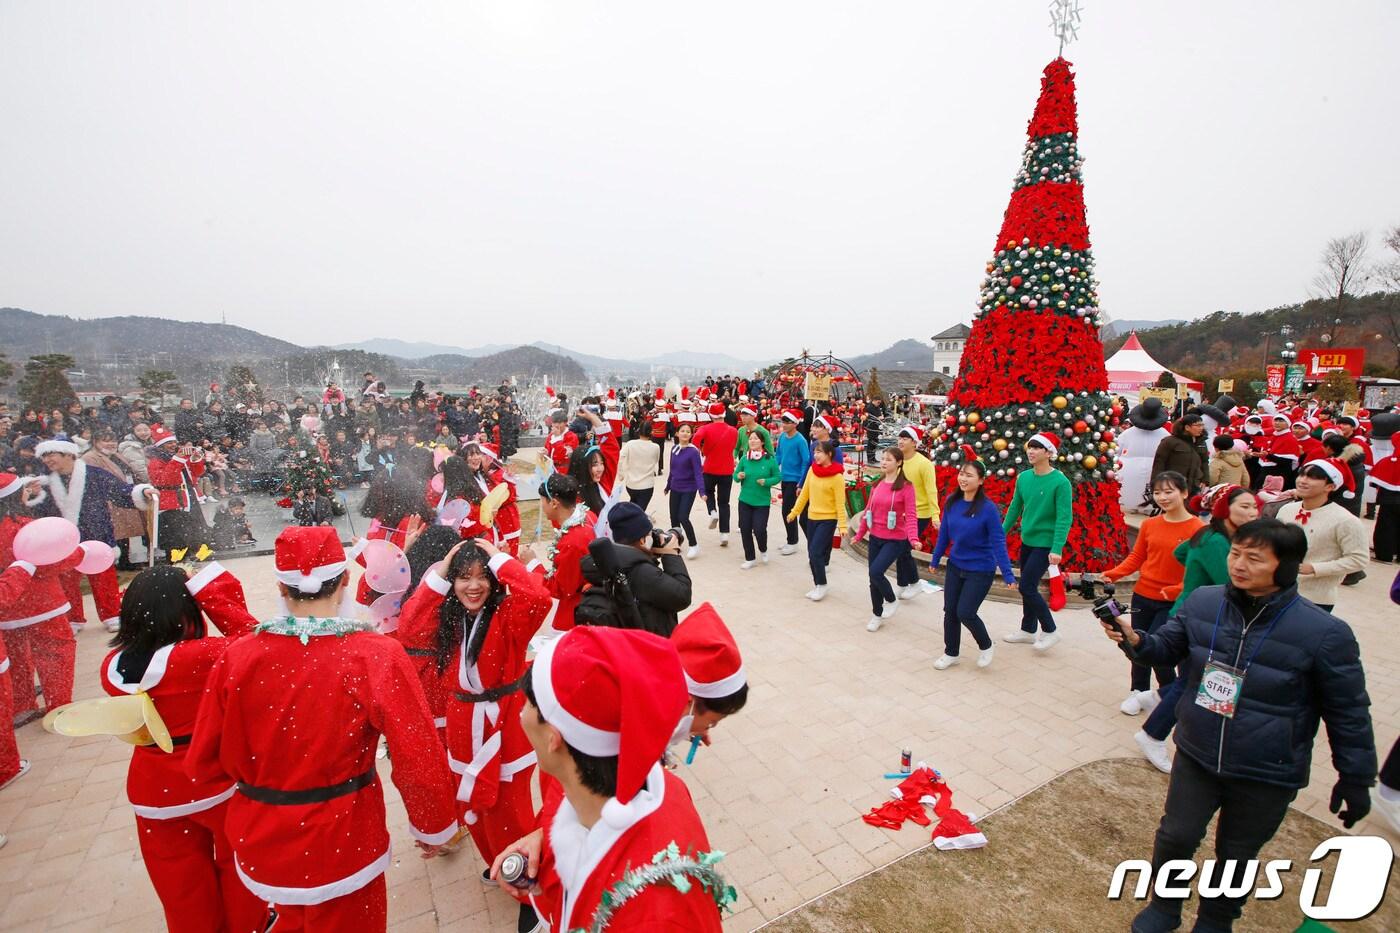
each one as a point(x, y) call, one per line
point(926, 786)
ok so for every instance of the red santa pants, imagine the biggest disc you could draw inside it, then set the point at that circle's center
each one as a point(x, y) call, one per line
point(364, 910)
point(191, 867)
point(9, 749)
point(46, 647)
point(106, 595)
point(512, 816)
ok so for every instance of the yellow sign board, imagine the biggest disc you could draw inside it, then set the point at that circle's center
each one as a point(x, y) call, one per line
point(1166, 396)
point(1225, 385)
point(817, 388)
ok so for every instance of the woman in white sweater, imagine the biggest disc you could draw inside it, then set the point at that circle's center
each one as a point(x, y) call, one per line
point(1336, 538)
point(637, 467)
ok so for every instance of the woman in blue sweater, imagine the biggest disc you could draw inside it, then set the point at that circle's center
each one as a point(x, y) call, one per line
point(972, 537)
point(685, 482)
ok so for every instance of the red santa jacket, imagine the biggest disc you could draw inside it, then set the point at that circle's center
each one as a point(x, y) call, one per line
point(283, 716)
point(716, 442)
point(578, 866)
point(43, 600)
point(485, 743)
point(176, 478)
point(1311, 448)
point(507, 520)
point(1281, 449)
point(605, 437)
point(560, 449)
point(565, 578)
point(156, 782)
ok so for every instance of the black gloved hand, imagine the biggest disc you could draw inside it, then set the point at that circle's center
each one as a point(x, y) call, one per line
point(1357, 798)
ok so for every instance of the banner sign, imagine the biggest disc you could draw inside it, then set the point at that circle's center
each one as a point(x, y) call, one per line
point(1293, 378)
point(1167, 396)
point(1318, 363)
point(1274, 378)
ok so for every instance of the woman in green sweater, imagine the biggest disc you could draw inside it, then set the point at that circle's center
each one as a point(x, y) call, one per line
point(1203, 555)
point(758, 475)
point(1044, 505)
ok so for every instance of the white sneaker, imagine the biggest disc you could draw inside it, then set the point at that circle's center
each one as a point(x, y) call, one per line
point(1148, 700)
point(787, 550)
point(874, 624)
point(908, 592)
point(693, 553)
point(817, 593)
point(945, 662)
point(23, 770)
point(1019, 637)
point(764, 556)
point(724, 540)
point(1155, 751)
point(748, 565)
point(1386, 809)
point(984, 657)
point(1046, 640)
point(888, 610)
point(714, 521)
point(1132, 705)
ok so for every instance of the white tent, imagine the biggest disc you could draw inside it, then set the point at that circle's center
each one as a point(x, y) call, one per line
point(1133, 367)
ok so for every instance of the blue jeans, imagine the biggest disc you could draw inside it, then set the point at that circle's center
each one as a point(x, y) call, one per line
point(906, 570)
point(883, 552)
point(1148, 615)
point(1035, 561)
point(963, 592)
point(819, 535)
point(681, 503)
point(1162, 720)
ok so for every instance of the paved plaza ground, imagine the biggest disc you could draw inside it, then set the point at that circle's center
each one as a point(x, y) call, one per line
point(782, 789)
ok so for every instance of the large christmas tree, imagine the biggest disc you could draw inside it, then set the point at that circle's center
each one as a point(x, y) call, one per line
point(1034, 361)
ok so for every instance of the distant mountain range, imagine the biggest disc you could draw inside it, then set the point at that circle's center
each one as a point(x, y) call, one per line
point(1120, 328)
point(904, 354)
point(410, 350)
point(25, 333)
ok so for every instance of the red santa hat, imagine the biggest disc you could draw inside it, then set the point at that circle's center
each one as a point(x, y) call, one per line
point(612, 692)
point(1349, 420)
point(11, 484)
point(822, 421)
point(709, 655)
point(748, 410)
point(1338, 472)
point(612, 395)
point(703, 393)
point(1239, 411)
point(57, 446)
point(660, 393)
point(489, 451)
point(716, 409)
point(793, 416)
point(307, 558)
point(685, 393)
point(913, 432)
point(1047, 440)
point(160, 434)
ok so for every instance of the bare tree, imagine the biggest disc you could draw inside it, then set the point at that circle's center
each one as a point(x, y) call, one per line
point(1388, 274)
point(1345, 273)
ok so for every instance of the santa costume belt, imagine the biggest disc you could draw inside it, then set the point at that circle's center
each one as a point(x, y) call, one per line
point(292, 798)
point(489, 696)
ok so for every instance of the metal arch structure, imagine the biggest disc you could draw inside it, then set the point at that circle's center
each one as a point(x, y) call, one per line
point(791, 377)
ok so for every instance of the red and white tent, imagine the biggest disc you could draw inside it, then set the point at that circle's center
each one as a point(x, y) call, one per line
point(1133, 367)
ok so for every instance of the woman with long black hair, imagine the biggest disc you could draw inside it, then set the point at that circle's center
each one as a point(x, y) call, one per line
point(476, 611)
point(395, 501)
point(161, 650)
point(972, 537)
point(488, 472)
point(586, 467)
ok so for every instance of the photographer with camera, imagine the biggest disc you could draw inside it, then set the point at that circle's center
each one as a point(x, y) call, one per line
point(1262, 667)
point(640, 572)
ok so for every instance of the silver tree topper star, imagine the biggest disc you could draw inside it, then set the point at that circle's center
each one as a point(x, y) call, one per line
point(1064, 21)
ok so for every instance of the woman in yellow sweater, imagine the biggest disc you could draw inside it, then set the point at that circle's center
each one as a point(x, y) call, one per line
point(824, 496)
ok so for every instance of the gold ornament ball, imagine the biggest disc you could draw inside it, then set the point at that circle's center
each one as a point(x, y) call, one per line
point(973, 417)
point(1060, 401)
point(1090, 462)
point(999, 444)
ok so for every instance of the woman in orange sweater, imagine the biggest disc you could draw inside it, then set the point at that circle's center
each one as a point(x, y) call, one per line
point(1159, 574)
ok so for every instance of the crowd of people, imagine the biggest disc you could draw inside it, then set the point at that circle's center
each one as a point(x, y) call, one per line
point(440, 664)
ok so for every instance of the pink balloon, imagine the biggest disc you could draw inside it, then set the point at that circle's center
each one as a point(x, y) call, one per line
point(97, 557)
point(386, 567)
point(454, 513)
point(46, 541)
point(440, 454)
point(435, 484)
point(384, 611)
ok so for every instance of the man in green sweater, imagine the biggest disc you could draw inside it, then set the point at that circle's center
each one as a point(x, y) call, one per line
point(748, 423)
point(1044, 505)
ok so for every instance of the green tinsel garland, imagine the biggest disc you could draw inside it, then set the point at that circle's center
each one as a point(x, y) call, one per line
point(667, 867)
point(305, 629)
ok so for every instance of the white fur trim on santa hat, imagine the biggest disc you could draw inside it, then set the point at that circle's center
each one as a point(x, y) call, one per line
point(1048, 441)
point(824, 422)
point(590, 740)
point(313, 581)
point(912, 432)
point(718, 688)
point(15, 485)
point(56, 446)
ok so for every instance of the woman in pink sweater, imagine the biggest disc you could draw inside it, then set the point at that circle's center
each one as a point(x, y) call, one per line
point(893, 523)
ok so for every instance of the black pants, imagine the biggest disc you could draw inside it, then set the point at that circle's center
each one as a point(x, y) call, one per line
point(883, 552)
point(181, 529)
point(1390, 771)
point(906, 571)
point(819, 539)
point(1250, 814)
point(1386, 539)
point(753, 528)
point(963, 592)
point(641, 497)
point(789, 500)
point(660, 443)
point(1035, 611)
point(723, 484)
point(1148, 615)
point(681, 503)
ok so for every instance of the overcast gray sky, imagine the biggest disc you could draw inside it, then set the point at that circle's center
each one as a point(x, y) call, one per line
point(626, 178)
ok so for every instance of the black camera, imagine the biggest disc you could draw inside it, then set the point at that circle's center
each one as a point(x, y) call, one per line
point(660, 536)
point(1105, 606)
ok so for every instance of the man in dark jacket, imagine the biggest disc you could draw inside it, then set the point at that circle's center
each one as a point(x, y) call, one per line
point(1184, 451)
point(656, 576)
point(1262, 666)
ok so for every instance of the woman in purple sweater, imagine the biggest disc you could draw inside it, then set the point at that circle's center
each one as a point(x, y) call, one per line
point(892, 520)
point(685, 482)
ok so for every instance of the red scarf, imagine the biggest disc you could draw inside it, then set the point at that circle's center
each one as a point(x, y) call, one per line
point(831, 469)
